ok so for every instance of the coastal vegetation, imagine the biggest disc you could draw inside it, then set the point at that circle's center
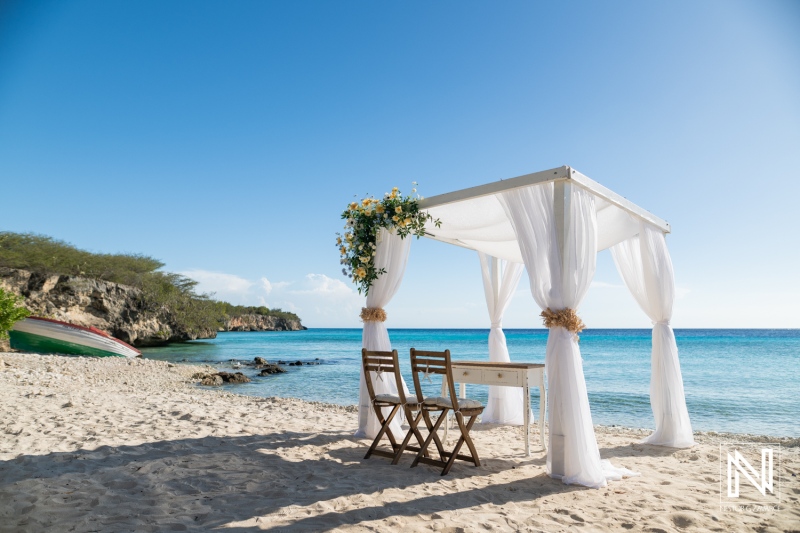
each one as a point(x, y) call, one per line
point(11, 311)
point(159, 291)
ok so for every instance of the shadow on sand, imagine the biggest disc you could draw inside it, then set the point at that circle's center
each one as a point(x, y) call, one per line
point(216, 482)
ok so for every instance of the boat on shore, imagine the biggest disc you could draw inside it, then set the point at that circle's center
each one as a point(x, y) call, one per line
point(48, 336)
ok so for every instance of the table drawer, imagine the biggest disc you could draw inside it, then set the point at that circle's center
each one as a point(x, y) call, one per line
point(467, 375)
point(501, 377)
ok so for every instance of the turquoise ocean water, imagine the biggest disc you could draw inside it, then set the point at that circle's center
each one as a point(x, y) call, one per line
point(741, 381)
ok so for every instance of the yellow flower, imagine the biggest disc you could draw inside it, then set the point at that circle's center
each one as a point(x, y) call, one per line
point(353, 205)
point(338, 240)
point(379, 209)
point(349, 236)
point(395, 189)
point(343, 250)
point(393, 195)
point(364, 259)
point(365, 202)
point(395, 218)
point(407, 221)
point(402, 223)
point(361, 272)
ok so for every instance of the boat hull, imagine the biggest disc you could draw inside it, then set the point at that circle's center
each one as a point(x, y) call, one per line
point(28, 342)
point(46, 336)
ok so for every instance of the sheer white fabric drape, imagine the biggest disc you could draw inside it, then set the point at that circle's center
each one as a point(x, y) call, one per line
point(500, 280)
point(391, 254)
point(645, 265)
point(558, 285)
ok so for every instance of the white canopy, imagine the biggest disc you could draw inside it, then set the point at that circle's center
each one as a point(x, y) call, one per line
point(554, 222)
point(475, 218)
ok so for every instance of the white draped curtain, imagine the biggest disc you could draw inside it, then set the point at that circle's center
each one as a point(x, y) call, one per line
point(391, 254)
point(644, 263)
point(573, 454)
point(500, 280)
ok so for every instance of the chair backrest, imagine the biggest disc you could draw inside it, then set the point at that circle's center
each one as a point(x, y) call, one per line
point(426, 362)
point(380, 362)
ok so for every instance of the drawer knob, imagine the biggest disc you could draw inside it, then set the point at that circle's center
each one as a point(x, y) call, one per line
point(466, 373)
point(499, 375)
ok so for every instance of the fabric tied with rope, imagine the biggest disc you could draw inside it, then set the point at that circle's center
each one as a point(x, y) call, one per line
point(661, 322)
point(566, 318)
point(373, 314)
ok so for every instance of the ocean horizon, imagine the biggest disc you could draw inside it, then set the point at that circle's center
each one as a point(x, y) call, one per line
point(736, 380)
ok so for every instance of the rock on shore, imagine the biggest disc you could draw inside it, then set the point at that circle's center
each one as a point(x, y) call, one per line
point(117, 309)
point(254, 322)
point(107, 306)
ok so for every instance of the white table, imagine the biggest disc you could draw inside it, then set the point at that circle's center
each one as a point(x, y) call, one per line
point(522, 375)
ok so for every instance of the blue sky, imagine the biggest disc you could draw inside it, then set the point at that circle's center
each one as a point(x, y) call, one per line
point(225, 138)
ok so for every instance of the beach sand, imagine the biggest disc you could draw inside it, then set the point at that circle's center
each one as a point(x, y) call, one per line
point(132, 445)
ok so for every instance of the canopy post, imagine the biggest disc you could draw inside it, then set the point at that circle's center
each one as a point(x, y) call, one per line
point(562, 191)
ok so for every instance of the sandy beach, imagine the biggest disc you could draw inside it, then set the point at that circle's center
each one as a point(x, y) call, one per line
point(134, 445)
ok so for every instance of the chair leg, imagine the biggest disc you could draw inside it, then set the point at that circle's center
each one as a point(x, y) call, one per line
point(384, 429)
point(412, 430)
point(464, 438)
point(436, 439)
point(470, 445)
point(431, 436)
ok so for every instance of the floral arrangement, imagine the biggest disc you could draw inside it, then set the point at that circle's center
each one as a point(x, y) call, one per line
point(363, 221)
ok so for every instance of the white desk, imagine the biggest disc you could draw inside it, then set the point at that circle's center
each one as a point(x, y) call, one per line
point(522, 375)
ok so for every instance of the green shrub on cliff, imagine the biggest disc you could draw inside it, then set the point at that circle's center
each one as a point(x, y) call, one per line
point(45, 255)
point(230, 311)
point(162, 293)
point(11, 311)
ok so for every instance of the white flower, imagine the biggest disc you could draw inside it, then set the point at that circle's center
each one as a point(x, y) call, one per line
point(350, 223)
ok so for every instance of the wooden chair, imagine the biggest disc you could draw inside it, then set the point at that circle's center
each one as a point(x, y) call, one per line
point(380, 362)
point(466, 411)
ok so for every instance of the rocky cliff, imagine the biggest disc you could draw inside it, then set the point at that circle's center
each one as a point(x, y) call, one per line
point(261, 323)
point(110, 307)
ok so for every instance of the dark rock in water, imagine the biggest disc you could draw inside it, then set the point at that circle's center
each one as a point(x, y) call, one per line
point(298, 363)
point(220, 378)
point(236, 377)
point(281, 362)
point(310, 363)
point(260, 361)
point(272, 369)
point(213, 380)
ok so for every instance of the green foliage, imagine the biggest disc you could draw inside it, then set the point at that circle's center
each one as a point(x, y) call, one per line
point(45, 255)
point(11, 311)
point(231, 311)
point(162, 293)
point(364, 219)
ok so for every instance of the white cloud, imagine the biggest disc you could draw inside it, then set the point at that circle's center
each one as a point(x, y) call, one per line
point(322, 285)
point(227, 287)
point(319, 300)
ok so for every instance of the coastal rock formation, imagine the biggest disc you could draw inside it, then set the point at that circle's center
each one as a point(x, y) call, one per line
point(110, 307)
point(252, 322)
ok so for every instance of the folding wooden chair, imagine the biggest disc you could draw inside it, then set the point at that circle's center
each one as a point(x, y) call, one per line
point(387, 362)
point(427, 363)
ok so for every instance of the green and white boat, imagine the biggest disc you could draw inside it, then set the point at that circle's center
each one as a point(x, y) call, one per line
point(48, 336)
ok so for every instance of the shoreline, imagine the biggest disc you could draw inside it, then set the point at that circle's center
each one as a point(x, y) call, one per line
point(131, 444)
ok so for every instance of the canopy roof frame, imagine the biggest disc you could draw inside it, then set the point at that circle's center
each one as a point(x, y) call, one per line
point(560, 174)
